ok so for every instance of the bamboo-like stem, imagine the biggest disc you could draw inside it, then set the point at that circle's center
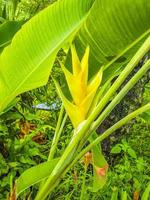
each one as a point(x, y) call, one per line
point(57, 134)
point(111, 130)
point(145, 47)
point(117, 99)
point(71, 149)
point(106, 112)
point(99, 95)
point(58, 131)
point(121, 95)
point(130, 66)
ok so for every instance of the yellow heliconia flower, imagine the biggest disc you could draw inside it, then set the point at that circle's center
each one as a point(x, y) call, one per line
point(81, 91)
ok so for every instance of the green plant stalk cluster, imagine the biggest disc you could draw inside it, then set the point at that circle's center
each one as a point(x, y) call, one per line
point(130, 66)
point(58, 131)
point(70, 151)
point(121, 94)
point(111, 130)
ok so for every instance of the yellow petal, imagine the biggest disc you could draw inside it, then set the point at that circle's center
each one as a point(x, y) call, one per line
point(86, 103)
point(91, 92)
point(74, 113)
point(75, 61)
point(75, 85)
point(68, 74)
point(94, 84)
point(85, 65)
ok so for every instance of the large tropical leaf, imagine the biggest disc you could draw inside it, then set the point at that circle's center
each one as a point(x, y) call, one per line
point(34, 175)
point(7, 31)
point(112, 28)
point(26, 63)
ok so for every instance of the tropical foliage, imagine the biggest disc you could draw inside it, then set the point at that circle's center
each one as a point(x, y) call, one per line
point(102, 42)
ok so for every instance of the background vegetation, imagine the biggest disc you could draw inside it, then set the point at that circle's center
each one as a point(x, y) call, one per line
point(26, 134)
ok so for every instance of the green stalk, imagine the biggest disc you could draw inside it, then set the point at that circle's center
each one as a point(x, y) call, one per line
point(53, 149)
point(58, 131)
point(70, 151)
point(121, 94)
point(123, 75)
point(111, 130)
point(99, 95)
point(130, 66)
point(60, 167)
point(117, 99)
point(115, 86)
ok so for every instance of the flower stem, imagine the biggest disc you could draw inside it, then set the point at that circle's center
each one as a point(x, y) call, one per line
point(121, 94)
point(111, 130)
point(58, 131)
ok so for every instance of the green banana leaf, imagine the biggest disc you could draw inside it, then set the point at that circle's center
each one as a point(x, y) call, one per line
point(34, 175)
point(112, 28)
point(26, 63)
point(7, 31)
